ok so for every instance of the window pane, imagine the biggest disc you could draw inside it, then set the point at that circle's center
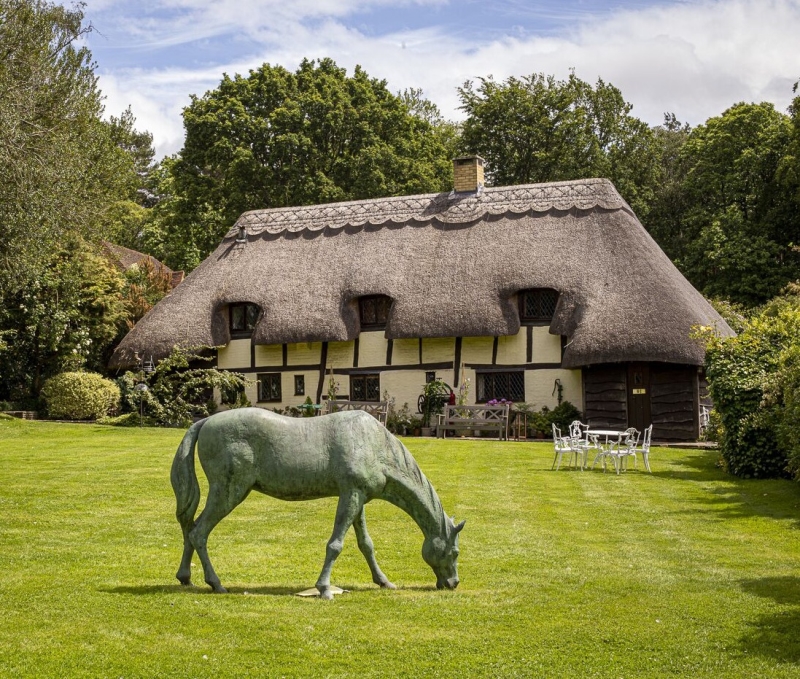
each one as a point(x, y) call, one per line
point(501, 385)
point(237, 317)
point(252, 316)
point(299, 385)
point(269, 387)
point(368, 316)
point(539, 304)
point(382, 312)
point(373, 388)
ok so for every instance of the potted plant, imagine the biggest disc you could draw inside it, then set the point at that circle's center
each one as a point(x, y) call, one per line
point(432, 403)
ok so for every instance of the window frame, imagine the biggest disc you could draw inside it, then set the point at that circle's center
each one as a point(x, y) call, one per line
point(379, 324)
point(365, 376)
point(480, 377)
point(299, 385)
point(247, 331)
point(523, 295)
point(260, 378)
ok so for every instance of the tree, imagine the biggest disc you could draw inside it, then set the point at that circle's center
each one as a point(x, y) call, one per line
point(739, 228)
point(66, 318)
point(276, 138)
point(51, 137)
point(539, 129)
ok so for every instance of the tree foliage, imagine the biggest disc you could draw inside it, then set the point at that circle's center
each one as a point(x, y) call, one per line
point(65, 319)
point(60, 167)
point(730, 220)
point(539, 129)
point(276, 138)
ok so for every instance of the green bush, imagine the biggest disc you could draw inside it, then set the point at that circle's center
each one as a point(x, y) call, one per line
point(178, 391)
point(754, 381)
point(80, 396)
point(564, 414)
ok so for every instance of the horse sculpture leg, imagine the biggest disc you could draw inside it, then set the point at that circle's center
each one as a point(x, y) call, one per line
point(368, 550)
point(350, 504)
point(220, 502)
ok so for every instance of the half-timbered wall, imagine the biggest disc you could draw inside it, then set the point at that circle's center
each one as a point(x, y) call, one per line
point(404, 363)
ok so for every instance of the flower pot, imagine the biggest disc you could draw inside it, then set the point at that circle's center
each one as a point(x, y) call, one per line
point(427, 431)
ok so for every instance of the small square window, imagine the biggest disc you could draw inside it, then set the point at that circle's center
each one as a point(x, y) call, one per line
point(299, 385)
point(243, 319)
point(269, 387)
point(374, 311)
point(538, 304)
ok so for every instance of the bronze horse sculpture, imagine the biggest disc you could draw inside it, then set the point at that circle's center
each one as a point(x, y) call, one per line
point(348, 455)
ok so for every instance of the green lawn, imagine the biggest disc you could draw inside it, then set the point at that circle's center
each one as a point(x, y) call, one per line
point(685, 572)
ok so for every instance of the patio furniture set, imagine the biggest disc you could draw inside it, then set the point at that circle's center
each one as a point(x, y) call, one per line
point(607, 444)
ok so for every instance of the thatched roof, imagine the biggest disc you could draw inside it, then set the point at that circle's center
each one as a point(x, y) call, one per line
point(125, 258)
point(453, 264)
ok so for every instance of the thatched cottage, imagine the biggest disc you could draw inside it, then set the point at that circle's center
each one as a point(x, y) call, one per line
point(522, 289)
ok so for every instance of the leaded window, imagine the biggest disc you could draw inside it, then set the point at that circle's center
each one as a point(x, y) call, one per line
point(537, 304)
point(365, 387)
point(374, 311)
point(501, 385)
point(243, 318)
point(269, 387)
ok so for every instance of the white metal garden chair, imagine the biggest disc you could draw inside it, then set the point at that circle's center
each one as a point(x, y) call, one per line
point(563, 446)
point(644, 449)
point(619, 451)
point(579, 440)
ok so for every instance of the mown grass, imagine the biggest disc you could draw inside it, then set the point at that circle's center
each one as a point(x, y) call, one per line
point(686, 572)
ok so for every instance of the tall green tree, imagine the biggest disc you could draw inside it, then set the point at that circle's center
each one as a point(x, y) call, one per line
point(59, 166)
point(277, 138)
point(737, 228)
point(540, 129)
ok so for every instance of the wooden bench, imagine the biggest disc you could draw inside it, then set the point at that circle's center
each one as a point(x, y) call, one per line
point(378, 409)
point(478, 418)
point(22, 414)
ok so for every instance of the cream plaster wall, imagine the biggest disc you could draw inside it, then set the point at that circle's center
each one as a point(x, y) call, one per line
point(235, 354)
point(512, 349)
point(477, 349)
point(372, 348)
point(539, 387)
point(546, 347)
point(304, 353)
point(438, 349)
point(269, 355)
point(404, 386)
point(340, 355)
point(405, 352)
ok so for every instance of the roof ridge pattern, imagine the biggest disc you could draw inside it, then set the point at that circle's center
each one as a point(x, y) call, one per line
point(449, 208)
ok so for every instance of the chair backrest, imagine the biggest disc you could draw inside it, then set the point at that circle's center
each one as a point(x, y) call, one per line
point(556, 432)
point(631, 437)
point(575, 429)
point(648, 434)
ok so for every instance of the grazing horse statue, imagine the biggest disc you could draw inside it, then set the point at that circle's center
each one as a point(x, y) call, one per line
point(348, 455)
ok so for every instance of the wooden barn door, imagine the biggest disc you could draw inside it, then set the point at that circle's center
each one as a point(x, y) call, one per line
point(639, 396)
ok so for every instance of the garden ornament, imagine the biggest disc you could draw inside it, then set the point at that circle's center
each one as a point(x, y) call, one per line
point(348, 455)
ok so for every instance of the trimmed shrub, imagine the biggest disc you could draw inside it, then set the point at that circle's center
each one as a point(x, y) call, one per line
point(80, 396)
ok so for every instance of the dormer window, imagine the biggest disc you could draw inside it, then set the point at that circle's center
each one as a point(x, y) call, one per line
point(537, 305)
point(243, 318)
point(373, 311)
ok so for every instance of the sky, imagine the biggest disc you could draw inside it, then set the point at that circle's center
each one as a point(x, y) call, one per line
point(694, 58)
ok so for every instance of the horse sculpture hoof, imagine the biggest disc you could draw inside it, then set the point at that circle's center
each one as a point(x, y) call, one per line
point(326, 594)
point(218, 589)
point(388, 585)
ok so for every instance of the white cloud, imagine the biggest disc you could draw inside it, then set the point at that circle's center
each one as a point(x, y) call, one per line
point(694, 58)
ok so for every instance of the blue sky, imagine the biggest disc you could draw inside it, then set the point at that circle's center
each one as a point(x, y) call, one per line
point(691, 57)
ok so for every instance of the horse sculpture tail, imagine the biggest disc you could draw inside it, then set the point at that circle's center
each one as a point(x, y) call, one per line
point(184, 479)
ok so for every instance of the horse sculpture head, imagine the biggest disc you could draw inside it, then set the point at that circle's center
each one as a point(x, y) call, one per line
point(441, 554)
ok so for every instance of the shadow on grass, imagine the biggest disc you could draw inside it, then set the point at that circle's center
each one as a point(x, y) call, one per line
point(735, 497)
point(194, 590)
point(774, 635)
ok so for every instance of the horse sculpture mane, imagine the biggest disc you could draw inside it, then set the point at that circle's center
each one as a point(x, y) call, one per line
point(348, 454)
